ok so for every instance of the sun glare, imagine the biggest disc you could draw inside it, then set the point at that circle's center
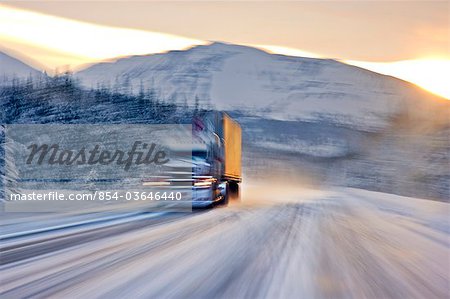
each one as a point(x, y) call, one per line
point(89, 42)
point(430, 74)
point(286, 51)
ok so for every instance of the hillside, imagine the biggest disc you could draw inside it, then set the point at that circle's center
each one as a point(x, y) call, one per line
point(11, 67)
point(231, 77)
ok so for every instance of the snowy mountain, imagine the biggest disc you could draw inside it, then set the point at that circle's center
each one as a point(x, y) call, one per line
point(232, 77)
point(11, 67)
point(315, 120)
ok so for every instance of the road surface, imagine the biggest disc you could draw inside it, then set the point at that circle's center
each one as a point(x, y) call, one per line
point(344, 243)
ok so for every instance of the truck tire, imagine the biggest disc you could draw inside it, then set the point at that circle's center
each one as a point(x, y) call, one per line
point(225, 195)
point(234, 193)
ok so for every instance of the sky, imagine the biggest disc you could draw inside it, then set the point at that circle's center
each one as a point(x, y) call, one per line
point(409, 40)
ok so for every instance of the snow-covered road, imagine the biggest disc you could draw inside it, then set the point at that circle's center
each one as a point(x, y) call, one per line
point(342, 243)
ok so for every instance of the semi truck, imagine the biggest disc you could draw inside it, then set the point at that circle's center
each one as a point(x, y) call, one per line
point(213, 172)
point(216, 157)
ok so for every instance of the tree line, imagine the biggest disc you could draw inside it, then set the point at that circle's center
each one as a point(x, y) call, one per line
point(61, 99)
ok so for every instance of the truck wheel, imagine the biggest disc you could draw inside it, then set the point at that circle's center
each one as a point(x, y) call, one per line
point(234, 193)
point(225, 193)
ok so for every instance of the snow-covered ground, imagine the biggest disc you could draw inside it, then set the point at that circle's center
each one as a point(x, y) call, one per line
point(280, 242)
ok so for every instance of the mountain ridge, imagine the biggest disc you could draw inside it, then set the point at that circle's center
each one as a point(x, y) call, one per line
point(11, 66)
point(235, 77)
